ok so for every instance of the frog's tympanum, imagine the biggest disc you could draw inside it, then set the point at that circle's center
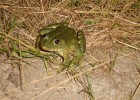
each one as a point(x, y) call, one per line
point(63, 40)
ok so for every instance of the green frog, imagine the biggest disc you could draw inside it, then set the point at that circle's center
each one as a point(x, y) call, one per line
point(63, 40)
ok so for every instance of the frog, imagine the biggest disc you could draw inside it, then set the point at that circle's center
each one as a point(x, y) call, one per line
point(63, 40)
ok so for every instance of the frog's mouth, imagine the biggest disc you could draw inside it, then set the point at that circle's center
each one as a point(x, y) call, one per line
point(42, 47)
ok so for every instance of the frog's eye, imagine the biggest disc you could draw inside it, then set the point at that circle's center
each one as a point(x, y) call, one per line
point(56, 41)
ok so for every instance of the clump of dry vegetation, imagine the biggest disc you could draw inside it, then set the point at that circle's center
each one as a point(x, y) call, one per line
point(112, 30)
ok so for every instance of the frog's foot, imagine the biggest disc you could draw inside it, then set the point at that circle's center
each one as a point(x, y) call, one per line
point(74, 63)
point(63, 67)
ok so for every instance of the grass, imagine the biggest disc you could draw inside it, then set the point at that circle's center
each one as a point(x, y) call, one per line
point(112, 28)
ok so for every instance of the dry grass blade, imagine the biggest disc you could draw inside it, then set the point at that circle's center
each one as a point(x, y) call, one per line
point(112, 31)
point(26, 45)
point(72, 77)
point(127, 44)
point(135, 91)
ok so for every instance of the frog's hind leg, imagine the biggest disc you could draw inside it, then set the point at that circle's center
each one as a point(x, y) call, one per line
point(79, 50)
point(82, 40)
point(76, 61)
point(66, 62)
point(77, 57)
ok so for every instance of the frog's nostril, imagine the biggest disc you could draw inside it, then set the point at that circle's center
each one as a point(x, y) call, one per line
point(46, 37)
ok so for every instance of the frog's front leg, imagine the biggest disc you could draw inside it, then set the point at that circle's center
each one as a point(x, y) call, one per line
point(80, 49)
point(76, 60)
point(66, 62)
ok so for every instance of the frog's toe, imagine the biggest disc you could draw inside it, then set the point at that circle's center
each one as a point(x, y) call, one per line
point(63, 67)
point(58, 71)
point(74, 63)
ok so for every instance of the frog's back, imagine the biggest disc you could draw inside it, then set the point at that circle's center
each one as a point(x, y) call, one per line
point(66, 33)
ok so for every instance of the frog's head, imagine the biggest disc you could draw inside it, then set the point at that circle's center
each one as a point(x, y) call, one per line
point(51, 37)
point(51, 42)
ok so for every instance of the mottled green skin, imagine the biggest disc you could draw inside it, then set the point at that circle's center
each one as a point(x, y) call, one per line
point(62, 39)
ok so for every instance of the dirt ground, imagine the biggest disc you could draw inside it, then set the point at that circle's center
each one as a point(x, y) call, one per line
point(110, 69)
point(118, 84)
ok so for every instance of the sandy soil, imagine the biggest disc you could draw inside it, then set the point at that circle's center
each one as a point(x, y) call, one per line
point(110, 69)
